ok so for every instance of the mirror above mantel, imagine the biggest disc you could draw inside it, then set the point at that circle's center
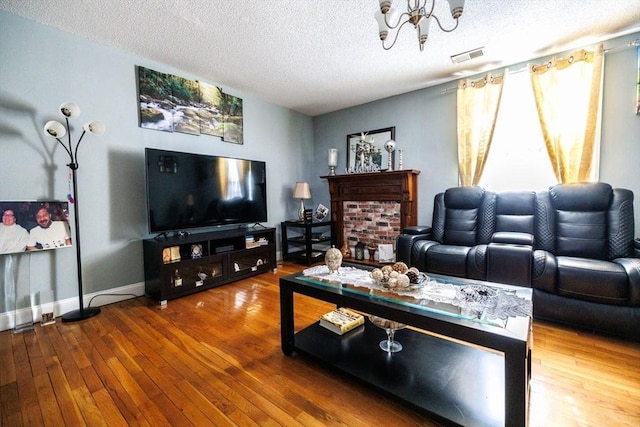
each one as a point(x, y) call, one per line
point(365, 150)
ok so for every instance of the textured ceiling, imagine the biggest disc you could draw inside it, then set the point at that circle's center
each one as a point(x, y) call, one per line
point(318, 56)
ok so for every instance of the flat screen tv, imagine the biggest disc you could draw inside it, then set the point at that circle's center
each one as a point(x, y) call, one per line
point(187, 191)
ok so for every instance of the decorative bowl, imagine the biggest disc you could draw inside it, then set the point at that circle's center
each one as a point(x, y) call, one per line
point(394, 284)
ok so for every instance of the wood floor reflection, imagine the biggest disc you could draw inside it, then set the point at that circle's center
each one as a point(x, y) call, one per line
point(214, 358)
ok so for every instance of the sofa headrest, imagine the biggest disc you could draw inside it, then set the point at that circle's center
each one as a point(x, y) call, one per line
point(515, 203)
point(582, 197)
point(463, 197)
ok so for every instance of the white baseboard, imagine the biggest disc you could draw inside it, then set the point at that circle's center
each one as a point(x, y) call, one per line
point(109, 296)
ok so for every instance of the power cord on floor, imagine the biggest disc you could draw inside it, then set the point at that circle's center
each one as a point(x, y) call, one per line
point(110, 295)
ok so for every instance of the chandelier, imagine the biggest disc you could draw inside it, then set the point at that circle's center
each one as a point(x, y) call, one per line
point(417, 15)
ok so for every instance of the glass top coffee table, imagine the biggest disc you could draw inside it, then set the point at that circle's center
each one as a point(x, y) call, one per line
point(463, 362)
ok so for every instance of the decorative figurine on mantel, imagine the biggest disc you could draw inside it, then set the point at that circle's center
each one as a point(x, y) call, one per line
point(346, 252)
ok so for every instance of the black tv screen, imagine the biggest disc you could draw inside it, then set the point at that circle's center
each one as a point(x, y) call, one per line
point(186, 191)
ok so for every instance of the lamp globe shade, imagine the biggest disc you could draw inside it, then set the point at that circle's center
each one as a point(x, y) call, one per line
point(54, 129)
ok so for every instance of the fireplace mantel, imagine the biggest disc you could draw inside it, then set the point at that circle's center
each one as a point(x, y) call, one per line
point(387, 186)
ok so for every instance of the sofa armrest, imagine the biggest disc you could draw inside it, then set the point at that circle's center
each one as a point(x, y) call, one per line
point(512, 238)
point(405, 243)
point(632, 268)
point(636, 247)
point(415, 230)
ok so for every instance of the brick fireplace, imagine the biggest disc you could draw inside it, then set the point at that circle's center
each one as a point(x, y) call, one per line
point(371, 222)
point(373, 207)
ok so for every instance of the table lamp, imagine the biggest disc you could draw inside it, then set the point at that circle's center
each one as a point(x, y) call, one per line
point(301, 191)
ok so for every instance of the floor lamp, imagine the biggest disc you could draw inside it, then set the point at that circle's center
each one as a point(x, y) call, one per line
point(57, 130)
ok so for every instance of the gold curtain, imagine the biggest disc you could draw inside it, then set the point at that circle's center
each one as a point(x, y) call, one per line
point(478, 102)
point(568, 98)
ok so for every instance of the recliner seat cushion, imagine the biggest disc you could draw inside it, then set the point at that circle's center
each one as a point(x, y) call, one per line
point(449, 260)
point(592, 280)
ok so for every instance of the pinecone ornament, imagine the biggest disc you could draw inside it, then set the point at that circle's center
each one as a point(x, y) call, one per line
point(413, 277)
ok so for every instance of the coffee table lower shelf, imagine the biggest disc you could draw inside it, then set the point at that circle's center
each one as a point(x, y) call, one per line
point(455, 382)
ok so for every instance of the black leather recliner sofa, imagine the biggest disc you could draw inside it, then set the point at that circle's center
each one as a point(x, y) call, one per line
point(573, 244)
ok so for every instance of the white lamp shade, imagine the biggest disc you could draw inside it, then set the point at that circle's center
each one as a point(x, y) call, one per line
point(96, 127)
point(302, 191)
point(424, 25)
point(383, 30)
point(54, 129)
point(70, 110)
point(456, 6)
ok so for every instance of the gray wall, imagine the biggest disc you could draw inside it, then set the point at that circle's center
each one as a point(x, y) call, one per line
point(43, 67)
point(425, 124)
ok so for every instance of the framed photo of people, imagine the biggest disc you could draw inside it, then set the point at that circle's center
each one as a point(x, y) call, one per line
point(34, 226)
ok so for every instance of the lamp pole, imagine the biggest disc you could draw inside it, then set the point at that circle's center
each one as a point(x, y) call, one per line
point(57, 130)
point(82, 313)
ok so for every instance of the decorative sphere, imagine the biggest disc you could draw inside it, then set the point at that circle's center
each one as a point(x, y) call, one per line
point(386, 269)
point(377, 275)
point(333, 259)
point(390, 145)
point(403, 281)
point(400, 267)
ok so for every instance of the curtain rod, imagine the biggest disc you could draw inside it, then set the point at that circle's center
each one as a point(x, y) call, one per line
point(632, 43)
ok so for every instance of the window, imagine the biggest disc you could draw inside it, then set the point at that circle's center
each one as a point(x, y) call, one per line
point(518, 158)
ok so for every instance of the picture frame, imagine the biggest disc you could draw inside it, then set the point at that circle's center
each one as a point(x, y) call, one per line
point(321, 212)
point(375, 139)
point(171, 103)
point(28, 219)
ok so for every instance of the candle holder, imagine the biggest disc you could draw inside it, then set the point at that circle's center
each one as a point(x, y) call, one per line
point(389, 146)
point(333, 160)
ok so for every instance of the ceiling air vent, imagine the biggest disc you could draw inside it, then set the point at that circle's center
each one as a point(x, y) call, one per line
point(465, 56)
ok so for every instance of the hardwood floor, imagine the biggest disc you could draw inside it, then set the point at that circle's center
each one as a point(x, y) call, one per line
point(214, 358)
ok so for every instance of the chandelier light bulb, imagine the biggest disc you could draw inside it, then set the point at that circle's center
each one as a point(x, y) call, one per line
point(419, 14)
point(70, 110)
point(54, 129)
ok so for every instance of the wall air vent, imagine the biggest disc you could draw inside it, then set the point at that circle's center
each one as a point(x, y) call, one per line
point(465, 56)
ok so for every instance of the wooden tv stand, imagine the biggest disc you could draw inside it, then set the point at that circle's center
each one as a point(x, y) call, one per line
point(181, 265)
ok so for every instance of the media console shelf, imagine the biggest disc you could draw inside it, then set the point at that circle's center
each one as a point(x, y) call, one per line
point(178, 266)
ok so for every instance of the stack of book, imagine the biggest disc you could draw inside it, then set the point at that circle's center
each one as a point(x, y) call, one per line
point(341, 320)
